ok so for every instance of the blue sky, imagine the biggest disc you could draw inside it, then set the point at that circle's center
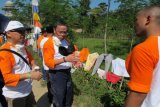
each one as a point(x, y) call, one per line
point(94, 3)
point(113, 5)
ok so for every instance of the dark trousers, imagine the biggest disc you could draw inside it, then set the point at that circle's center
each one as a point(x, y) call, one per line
point(61, 87)
point(50, 96)
point(28, 101)
point(3, 101)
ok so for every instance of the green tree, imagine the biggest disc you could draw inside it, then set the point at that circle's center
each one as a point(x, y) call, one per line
point(84, 6)
point(22, 12)
point(83, 17)
point(54, 10)
point(126, 14)
point(98, 19)
point(154, 2)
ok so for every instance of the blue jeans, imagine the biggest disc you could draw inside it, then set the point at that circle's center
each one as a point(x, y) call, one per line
point(61, 87)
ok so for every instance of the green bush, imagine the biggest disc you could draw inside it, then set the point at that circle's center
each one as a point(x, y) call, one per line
point(98, 91)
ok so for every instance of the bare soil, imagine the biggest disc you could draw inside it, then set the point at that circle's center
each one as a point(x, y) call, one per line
point(40, 93)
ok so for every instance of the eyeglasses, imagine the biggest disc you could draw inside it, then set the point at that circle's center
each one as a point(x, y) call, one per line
point(19, 31)
point(62, 32)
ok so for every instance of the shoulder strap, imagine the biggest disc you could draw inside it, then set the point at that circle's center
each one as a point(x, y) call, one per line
point(17, 55)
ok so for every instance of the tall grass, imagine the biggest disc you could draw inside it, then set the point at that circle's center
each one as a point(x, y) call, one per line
point(117, 47)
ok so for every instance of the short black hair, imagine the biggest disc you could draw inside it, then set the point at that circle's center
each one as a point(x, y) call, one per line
point(49, 29)
point(43, 30)
point(155, 9)
point(59, 23)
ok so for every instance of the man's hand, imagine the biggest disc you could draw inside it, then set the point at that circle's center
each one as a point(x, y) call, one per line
point(33, 66)
point(77, 64)
point(36, 75)
point(72, 58)
point(69, 58)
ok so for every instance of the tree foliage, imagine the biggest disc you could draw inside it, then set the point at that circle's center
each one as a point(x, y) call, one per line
point(22, 12)
point(55, 10)
point(79, 14)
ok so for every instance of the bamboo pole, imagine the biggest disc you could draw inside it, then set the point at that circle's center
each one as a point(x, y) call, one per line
point(105, 34)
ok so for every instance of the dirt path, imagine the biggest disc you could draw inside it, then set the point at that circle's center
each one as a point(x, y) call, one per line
point(40, 92)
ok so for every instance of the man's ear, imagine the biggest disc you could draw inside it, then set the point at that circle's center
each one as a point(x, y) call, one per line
point(148, 20)
point(54, 30)
point(8, 34)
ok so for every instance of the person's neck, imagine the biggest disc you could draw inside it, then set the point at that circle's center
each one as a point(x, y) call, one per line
point(49, 35)
point(59, 38)
point(154, 31)
point(11, 42)
point(153, 34)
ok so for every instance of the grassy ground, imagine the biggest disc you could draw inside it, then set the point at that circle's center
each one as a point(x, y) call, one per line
point(117, 47)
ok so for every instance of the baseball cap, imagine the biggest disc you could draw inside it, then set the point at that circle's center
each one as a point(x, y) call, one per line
point(15, 25)
point(3, 23)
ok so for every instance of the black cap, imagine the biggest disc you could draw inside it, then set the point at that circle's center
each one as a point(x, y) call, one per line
point(3, 23)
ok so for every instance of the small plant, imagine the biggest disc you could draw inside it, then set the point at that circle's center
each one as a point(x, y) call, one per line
point(97, 90)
